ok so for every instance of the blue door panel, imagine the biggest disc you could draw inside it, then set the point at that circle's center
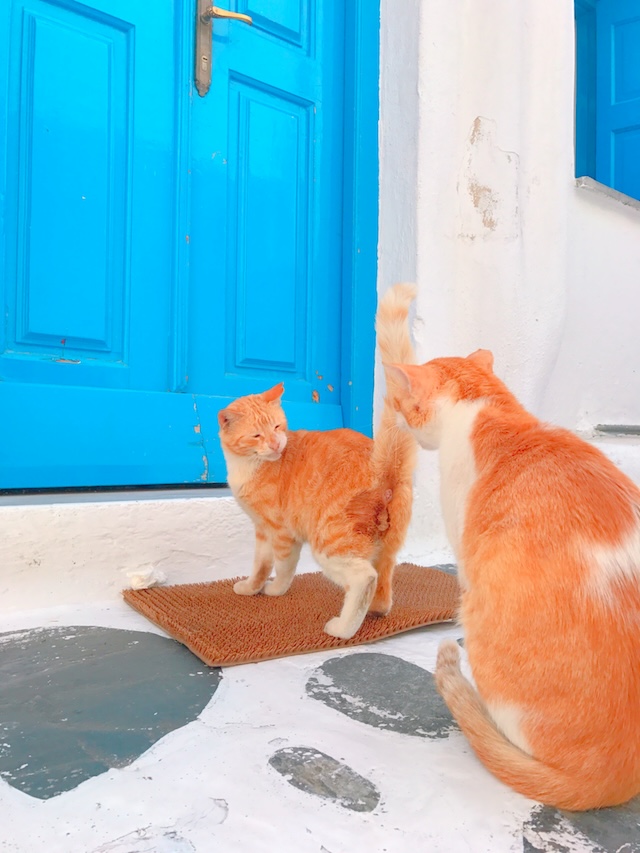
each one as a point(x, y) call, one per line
point(163, 253)
point(90, 202)
point(618, 95)
point(88, 183)
point(271, 251)
point(285, 21)
point(268, 176)
point(86, 437)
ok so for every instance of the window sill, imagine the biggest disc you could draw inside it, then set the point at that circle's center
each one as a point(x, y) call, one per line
point(586, 183)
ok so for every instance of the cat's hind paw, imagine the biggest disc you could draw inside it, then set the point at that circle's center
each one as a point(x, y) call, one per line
point(381, 605)
point(336, 628)
point(245, 587)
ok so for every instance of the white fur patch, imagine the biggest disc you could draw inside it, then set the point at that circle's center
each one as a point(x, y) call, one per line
point(508, 718)
point(240, 469)
point(611, 564)
point(457, 467)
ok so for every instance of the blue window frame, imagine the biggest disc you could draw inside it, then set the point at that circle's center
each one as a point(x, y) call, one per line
point(608, 93)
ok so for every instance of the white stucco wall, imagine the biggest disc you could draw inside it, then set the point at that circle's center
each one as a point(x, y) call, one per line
point(597, 376)
point(508, 253)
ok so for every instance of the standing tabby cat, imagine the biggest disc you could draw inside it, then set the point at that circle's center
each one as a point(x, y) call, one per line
point(349, 497)
point(546, 532)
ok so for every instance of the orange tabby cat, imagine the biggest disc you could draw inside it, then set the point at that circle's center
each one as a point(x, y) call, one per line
point(349, 497)
point(546, 531)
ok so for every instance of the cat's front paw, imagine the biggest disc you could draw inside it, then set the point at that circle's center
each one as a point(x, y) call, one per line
point(336, 628)
point(275, 588)
point(245, 587)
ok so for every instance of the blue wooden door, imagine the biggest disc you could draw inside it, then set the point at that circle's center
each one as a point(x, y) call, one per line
point(164, 252)
point(618, 95)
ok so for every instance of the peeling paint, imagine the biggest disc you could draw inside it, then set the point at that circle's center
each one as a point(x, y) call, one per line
point(315, 396)
point(488, 186)
point(330, 387)
point(485, 201)
point(198, 430)
point(476, 130)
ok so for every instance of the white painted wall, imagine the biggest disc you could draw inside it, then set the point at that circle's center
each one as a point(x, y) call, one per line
point(508, 253)
point(597, 376)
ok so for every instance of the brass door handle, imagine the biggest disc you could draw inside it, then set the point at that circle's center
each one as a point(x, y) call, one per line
point(205, 13)
point(217, 12)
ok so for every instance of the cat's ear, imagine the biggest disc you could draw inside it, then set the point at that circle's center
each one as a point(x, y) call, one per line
point(227, 416)
point(274, 395)
point(483, 358)
point(399, 376)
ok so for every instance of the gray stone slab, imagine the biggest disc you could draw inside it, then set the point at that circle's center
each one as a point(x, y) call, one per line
point(383, 691)
point(78, 701)
point(316, 773)
point(615, 830)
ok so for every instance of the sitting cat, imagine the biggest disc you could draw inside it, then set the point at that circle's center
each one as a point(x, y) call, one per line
point(546, 532)
point(346, 495)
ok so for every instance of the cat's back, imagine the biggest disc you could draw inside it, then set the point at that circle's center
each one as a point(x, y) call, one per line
point(549, 470)
point(560, 506)
point(327, 452)
point(334, 443)
point(325, 467)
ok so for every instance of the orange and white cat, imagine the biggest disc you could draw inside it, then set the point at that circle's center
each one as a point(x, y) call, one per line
point(546, 531)
point(346, 495)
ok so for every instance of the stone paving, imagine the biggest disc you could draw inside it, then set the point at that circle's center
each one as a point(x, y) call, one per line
point(115, 739)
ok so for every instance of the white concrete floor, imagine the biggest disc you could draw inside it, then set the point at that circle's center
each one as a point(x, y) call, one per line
point(208, 786)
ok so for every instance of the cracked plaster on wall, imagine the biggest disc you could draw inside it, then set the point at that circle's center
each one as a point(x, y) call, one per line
point(487, 186)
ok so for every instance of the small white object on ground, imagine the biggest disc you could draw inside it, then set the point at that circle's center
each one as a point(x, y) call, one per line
point(144, 578)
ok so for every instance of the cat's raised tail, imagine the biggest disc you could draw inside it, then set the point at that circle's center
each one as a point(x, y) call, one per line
point(517, 769)
point(394, 448)
point(392, 327)
point(394, 343)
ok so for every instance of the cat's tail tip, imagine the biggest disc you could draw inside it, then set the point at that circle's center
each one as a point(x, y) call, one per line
point(392, 327)
point(398, 297)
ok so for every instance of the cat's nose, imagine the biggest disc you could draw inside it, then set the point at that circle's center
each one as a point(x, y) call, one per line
point(274, 444)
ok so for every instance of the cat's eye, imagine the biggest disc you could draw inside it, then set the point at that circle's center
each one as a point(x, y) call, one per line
point(278, 426)
point(257, 436)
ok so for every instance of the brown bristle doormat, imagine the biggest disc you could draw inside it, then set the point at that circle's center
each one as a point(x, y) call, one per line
point(223, 628)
